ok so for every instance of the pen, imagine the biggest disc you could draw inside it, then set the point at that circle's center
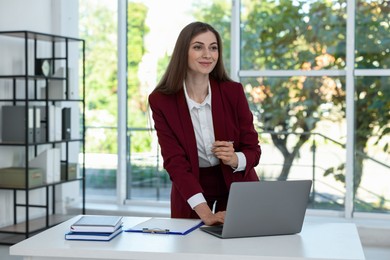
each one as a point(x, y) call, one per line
point(155, 230)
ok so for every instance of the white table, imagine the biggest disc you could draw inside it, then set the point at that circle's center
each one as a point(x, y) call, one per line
point(316, 241)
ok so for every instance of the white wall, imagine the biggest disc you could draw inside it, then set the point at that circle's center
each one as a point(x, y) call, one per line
point(58, 17)
point(46, 16)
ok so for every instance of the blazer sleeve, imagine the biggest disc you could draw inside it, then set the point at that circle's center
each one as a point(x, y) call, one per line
point(172, 140)
point(241, 125)
point(249, 138)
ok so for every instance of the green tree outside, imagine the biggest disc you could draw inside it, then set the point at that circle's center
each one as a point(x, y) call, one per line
point(311, 35)
point(275, 35)
point(98, 28)
point(137, 98)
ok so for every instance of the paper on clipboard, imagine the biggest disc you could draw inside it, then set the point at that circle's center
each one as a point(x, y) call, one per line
point(167, 226)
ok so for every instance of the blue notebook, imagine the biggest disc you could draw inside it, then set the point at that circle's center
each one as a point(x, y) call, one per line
point(92, 236)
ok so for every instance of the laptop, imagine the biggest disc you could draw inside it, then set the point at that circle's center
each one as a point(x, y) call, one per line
point(264, 208)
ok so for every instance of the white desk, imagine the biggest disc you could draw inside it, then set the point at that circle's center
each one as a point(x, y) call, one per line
point(316, 241)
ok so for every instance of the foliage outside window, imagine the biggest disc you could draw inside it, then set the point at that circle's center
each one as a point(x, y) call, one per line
point(290, 111)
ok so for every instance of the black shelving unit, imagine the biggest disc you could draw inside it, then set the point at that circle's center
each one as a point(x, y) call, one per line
point(32, 88)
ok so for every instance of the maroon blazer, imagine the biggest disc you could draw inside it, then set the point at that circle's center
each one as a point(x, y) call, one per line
point(233, 121)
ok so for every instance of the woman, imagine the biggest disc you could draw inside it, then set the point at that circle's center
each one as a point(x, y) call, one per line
point(204, 127)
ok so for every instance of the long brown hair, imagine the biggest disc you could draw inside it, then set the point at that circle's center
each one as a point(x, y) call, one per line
point(172, 80)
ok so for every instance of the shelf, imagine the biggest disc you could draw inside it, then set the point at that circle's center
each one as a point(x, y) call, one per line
point(42, 100)
point(41, 186)
point(40, 143)
point(15, 233)
point(42, 118)
point(38, 36)
point(31, 77)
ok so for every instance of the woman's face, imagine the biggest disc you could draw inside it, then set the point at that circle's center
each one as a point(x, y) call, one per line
point(203, 53)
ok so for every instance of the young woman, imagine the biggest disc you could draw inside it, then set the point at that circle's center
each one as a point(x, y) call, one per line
point(204, 127)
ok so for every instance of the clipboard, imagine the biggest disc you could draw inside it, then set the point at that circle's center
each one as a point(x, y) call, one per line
point(173, 226)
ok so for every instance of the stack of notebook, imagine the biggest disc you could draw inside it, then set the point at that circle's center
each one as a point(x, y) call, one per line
point(100, 228)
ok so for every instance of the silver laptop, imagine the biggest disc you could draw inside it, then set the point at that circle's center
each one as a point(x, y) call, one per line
point(264, 208)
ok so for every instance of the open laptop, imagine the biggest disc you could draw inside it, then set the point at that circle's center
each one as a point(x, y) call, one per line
point(264, 208)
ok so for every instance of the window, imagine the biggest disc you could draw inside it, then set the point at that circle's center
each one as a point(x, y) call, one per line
point(294, 64)
point(372, 172)
point(153, 28)
point(321, 107)
point(98, 27)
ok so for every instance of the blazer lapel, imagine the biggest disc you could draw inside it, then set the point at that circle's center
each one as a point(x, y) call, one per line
point(218, 112)
point(188, 129)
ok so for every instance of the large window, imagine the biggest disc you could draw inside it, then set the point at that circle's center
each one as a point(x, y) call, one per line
point(316, 74)
point(153, 27)
point(372, 103)
point(292, 50)
point(295, 65)
point(98, 26)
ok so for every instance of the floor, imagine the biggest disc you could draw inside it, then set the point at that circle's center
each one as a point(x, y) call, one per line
point(372, 253)
point(377, 253)
point(4, 254)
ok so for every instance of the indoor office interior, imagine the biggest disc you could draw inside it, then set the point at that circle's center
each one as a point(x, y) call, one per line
point(316, 75)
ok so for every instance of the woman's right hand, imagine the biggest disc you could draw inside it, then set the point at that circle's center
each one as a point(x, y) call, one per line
point(208, 217)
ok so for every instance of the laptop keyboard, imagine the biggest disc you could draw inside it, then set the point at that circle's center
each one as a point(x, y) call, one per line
point(214, 229)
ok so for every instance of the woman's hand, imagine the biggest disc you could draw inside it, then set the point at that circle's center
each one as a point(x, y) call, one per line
point(224, 151)
point(208, 217)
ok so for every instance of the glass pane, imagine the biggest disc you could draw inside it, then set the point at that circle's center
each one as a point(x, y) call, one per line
point(151, 39)
point(100, 162)
point(147, 179)
point(372, 157)
point(372, 34)
point(292, 34)
point(301, 121)
point(98, 27)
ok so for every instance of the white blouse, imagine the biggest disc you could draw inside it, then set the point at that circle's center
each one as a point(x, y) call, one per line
point(202, 121)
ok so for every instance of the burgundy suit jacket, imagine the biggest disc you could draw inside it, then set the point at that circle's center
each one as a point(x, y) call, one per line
point(232, 120)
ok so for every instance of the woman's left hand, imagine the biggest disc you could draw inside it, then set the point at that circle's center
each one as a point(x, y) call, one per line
point(224, 151)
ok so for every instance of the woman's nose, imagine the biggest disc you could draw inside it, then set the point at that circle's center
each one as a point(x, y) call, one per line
point(206, 53)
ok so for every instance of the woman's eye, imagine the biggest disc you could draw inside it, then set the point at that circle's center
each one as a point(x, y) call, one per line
point(214, 48)
point(197, 47)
